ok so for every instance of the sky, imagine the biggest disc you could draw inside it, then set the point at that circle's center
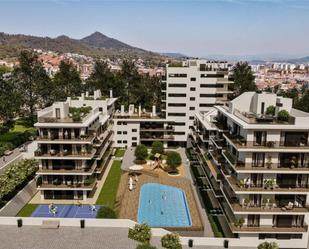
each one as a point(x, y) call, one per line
point(192, 27)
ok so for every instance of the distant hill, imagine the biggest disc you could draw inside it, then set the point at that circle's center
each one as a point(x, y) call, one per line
point(99, 40)
point(174, 55)
point(95, 45)
point(299, 60)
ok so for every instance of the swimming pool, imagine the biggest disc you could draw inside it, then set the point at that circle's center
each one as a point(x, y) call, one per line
point(163, 206)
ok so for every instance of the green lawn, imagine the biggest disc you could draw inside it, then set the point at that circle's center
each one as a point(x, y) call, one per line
point(119, 152)
point(27, 210)
point(16, 136)
point(108, 192)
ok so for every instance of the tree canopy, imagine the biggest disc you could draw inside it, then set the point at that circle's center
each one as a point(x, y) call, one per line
point(141, 152)
point(67, 81)
point(243, 78)
point(32, 82)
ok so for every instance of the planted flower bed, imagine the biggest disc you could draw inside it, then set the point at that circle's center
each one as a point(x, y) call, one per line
point(15, 178)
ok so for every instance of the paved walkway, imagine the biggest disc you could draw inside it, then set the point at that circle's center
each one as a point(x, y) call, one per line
point(5, 161)
point(128, 159)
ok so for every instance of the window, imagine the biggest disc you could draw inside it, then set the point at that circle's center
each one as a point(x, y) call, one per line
point(125, 132)
point(57, 113)
point(118, 132)
point(134, 138)
point(179, 133)
point(211, 95)
point(192, 98)
point(125, 141)
point(174, 114)
point(177, 95)
point(177, 85)
point(192, 108)
point(211, 85)
point(100, 109)
point(134, 144)
point(191, 117)
point(176, 104)
point(134, 130)
point(193, 79)
point(192, 88)
point(212, 75)
point(119, 141)
point(179, 124)
point(177, 75)
point(206, 105)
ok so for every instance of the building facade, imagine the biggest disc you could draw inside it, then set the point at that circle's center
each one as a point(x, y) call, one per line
point(193, 86)
point(258, 165)
point(74, 145)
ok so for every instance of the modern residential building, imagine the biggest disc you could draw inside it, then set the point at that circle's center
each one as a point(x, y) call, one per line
point(193, 86)
point(74, 145)
point(138, 126)
point(257, 162)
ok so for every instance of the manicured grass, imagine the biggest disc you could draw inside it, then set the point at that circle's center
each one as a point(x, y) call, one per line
point(108, 192)
point(27, 210)
point(16, 136)
point(119, 152)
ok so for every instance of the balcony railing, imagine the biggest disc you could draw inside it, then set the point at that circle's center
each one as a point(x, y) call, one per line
point(269, 229)
point(69, 153)
point(241, 185)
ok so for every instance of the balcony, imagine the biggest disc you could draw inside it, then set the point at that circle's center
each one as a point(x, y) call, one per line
point(242, 186)
point(267, 208)
point(68, 154)
point(157, 129)
point(78, 186)
point(252, 118)
point(268, 229)
point(158, 138)
point(82, 139)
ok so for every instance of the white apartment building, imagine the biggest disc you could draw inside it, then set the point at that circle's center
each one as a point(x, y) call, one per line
point(196, 86)
point(74, 146)
point(259, 167)
point(193, 86)
point(137, 126)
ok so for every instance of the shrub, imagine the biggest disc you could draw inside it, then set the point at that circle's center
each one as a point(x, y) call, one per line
point(15, 177)
point(145, 246)
point(268, 245)
point(106, 212)
point(157, 147)
point(283, 115)
point(141, 152)
point(171, 241)
point(271, 110)
point(173, 159)
point(140, 233)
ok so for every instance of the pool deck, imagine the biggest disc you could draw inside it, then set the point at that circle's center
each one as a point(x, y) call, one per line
point(127, 201)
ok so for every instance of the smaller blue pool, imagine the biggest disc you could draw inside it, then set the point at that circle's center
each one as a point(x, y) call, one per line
point(67, 211)
point(163, 206)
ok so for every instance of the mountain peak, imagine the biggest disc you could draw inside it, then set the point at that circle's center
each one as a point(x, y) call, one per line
point(99, 40)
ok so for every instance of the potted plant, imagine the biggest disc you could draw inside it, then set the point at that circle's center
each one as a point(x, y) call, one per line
point(171, 241)
point(269, 162)
point(293, 162)
point(140, 233)
point(242, 183)
point(241, 222)
point(247, 202)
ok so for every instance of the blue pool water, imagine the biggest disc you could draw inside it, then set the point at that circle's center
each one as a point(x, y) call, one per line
point(66, 211)
point(163, 206)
